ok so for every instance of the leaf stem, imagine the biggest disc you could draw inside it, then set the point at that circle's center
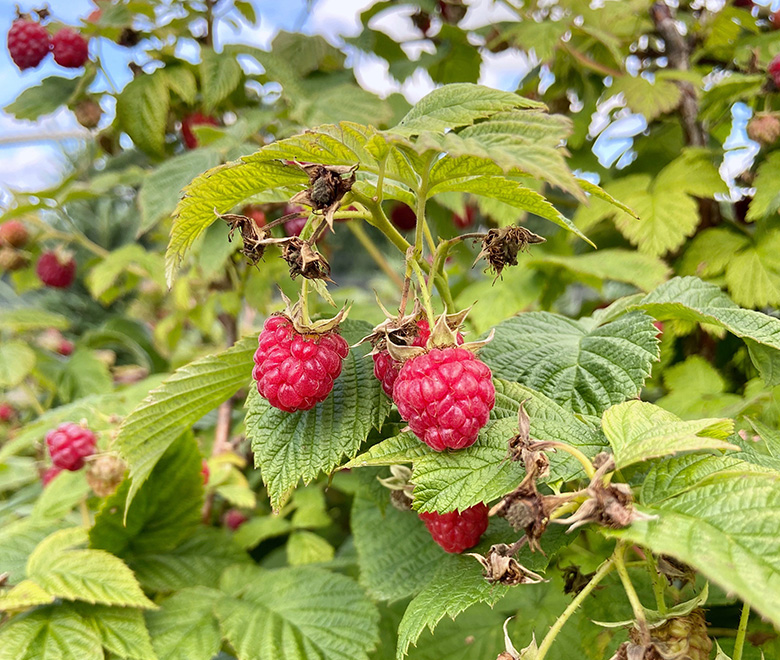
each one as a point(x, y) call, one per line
point(549, 638)
point(573, 451)
point(658, 584)
point(422, 197)
point(739, 643)
point(375, 253)
point(633, 597)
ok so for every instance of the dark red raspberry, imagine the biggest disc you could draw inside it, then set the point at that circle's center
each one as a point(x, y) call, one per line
point(204, 471)
point(65, 347)
point(14, 234)
point(69, 444)
point(295, 226)
point(6, 412)
point(56, 270)
point(255, 212)
point(70, 48)
point(47, 476)
point(234, 519)
point(403, 217)
point(195, 119)
point(744, 3)
point(446, 396)
point(774, 66)
point(296, 371)
point(774, 19)
point(465, 220)
point(457, 531)
point(28, 43)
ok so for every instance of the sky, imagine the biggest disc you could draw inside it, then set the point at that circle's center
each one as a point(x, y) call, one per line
point(31, 153)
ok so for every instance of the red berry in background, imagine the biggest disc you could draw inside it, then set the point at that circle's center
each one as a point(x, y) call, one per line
point(743, 3)
point(6, 412)
point(70, 48)
point(234, 519)
point(195, 119)
point(660, 327)
point(422, 21)
point(69, 444)
point(295, 226)
point(14, 234)
point(28, 43)
point(457, 531)
point(403, 217)
point(204, 471)
point(774, 66)
point(47, 476)
point(65, 347)
point(465, 220)
point(446, 396)
point(255, 212)
point(296, 371)
point(56, 269)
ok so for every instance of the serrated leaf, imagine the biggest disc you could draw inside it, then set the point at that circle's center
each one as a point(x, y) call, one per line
point(639, 431)
point(601, 194)
point(171, 409)
point(51, 633)
point(259, 529)
point(693, 172)
point(181, 81)
point(581, 365)
point(25, 595)
point(766, 201)
point(308, 548)
point(102, 279)
point(696, 389)
point(767, 361)
point(17, 360)
point(691, 299)
point(726, 530)
point(456, 105)
point(184, 628)
point(17, 541)
point(293, 446)
point(710, 252)
point(24, 319)
point(220, 74)
point(328, 615)
point(61, 496)
point(648, 99)
point(165, 511)
point(122, 630)
point(47, 97)
point(142, 110)
point(753, 273)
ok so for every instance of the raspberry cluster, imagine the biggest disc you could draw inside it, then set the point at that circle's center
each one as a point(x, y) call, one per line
point(29, 43)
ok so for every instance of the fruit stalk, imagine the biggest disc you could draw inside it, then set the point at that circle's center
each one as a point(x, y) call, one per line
point(739, 643)
point(633, 597)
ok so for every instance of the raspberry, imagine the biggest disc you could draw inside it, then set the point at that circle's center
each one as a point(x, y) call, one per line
point(774, 19)
point(744, 3)
point(104, 474)
point(403, 217)
point(65, 347)
point(69, 444)
point(11, 259)
point(70, 48)
point(465, 220)
point(296, 371)
point(14, 234)
point(204, 471)
point(446, 396)
point(28, 43)
point(56, 270)
point(774, 66)
point(255, 212)
point(6, 412)
point(295, 227)
point(234, 519)
point(195, 119)
point(457, 531)
point(47, 476)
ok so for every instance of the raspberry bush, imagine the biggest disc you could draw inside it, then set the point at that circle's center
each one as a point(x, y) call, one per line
point(292, 370)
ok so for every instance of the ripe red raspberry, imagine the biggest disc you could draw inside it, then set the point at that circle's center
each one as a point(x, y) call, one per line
point(14, 234)
point(256, 213)
point(204, 471)
point(457, 531)
point(446, 396)
point(234, 519)
point(6, 412)
point(69, 444)
point(465, 220)
point(403, 217)
point(744, 3)
point(28, 43)
point(56, 270)
point(195, 119)
point(47, 476)
point(774, 19)
point(296, 371)
point(774, 66)
point(295, 226)
point(70, 48)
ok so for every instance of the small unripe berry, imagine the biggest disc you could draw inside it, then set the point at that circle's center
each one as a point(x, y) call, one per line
point(774, 66)
point(14, 234)
point(6, 412)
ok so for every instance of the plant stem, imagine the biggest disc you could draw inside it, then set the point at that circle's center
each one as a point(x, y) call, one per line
point(422, 196)
point(658, 584)
point(633, 597)
point(33, 398)
point(375, 252)
point(424, 292)
point(573, 451)
point(379, 220)
point(549, 638)
point(739, 643)
point(305, 301)
point(85, 519)
point(380, 181)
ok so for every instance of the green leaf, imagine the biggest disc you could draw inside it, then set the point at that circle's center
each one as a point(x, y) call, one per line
point(61, 496)
point(47, 97)
point(603, 195)
point(767, 361)
point(691, 299)
point(694, 172)
point(220, 74)
point(727, 530)
point(17, 541)
point(17, 360)
point(160, 190)
point(581, 365)
point(456, 105)
point(639, 431)
point(142, 110)
point(696, 389)
point(710, 252)
point(766, 201)
point(308, 548)
point(24, 319)
point(184, 628)
point(753, 273)
point(649, 99)
point(84, 374)
point(102, 279)
point(165, 511)
point(50, 633)
point(327, 615)
point(293, 446)
point(181, 81)
point(259, 529)
point(181, 400)
point(198, 560)
point(122, 630)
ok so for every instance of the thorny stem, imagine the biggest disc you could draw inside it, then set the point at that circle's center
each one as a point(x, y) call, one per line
point(375, 253)
point(549, 638)
point(739, 643)
point(424, 292)
point(406, 285)
point(573, 451)
point(658, 583)
point(633, 597)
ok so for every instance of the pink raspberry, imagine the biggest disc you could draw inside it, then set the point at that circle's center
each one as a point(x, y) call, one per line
point(6, 412)
point(56, 270)
point(457, 531)
point(446, 396)
point(70, 48)
point(295, 226)
point(14, 234)
point(204, 471)
point(47, 476)
point(774, 66)
point(195, 119)
point(69, 444)
point(28, 43)
point(234, 519)
point(296, 371)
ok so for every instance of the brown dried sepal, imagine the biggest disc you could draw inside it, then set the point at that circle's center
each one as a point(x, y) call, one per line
point(400, 487)
point(500, 247)
point(521, 447)
point(501, 568)
point(253, 236)
point(327, 186)
point(674, 570)
point(304, 260)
